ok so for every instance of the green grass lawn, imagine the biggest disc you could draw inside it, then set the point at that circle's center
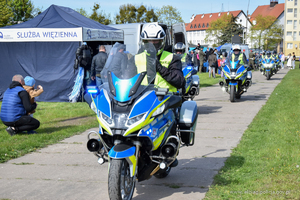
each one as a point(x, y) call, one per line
point(58, 121)
point(265, 165)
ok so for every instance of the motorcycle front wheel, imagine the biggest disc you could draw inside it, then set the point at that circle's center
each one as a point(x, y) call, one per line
point(268, 75)
point(232, 92)
point(120, 184)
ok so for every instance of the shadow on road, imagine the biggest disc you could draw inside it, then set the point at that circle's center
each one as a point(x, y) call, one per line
point(190, 176)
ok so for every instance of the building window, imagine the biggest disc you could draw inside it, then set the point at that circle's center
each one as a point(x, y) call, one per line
point(295, 24)
point(290, 10)
point(289, 33)
point(191, 25)
point(289, 22)
point(295, 36)
point(199, 26)
point(295, 12)
point(296, 3)
point(289, 45)
point(203, 25)
point(195, 26)
point(207, 25)
point(241, 20)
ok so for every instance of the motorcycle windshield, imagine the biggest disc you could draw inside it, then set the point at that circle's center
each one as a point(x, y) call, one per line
point(125, 76)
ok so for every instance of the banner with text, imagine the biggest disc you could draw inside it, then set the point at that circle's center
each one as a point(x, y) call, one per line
point(102, 35)
point(41, 35)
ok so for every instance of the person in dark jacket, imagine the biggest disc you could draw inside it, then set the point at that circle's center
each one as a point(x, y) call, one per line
point(84, 59)
point(15, 106)
point(98, 63)
point(201, 59)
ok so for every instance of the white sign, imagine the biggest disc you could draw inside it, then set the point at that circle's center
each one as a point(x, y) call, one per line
point(40, 34)
point(102, 35)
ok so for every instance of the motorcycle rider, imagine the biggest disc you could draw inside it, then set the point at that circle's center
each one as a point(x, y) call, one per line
point(180, 51)
point(238, 55)
point(168, 66)
point(251, 59)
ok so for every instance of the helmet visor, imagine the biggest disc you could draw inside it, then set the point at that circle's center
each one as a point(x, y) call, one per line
point(158, 44)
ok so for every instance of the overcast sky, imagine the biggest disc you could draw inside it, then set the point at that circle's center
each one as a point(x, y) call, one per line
point(184, 7)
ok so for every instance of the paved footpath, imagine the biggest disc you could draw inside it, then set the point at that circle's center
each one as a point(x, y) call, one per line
point(68, 171)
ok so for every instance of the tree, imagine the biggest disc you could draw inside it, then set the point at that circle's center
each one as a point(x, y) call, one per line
point(23, 10)
point(83, 12)
point(6, 13)
point(266, 32)
point(130, 14)
point(169, 15)
point(100, 16)
point(223, 29)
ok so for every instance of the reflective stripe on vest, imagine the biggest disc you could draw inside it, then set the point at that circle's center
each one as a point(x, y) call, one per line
point(240, 58)
point(141, 65)
point(165, 60)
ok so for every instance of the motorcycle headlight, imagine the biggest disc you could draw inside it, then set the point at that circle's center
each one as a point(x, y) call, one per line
point(233, 75)
point(135, 119)
point(120, 120)
point(159, 110)
point(106, 118)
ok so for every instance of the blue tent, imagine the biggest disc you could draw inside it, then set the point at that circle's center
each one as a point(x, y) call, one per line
point(45, 47)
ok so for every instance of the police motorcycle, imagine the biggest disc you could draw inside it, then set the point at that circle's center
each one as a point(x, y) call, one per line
point(237, 79)
point(277, 61)
point(268, 66)
point(192, 80)
point(141, 127)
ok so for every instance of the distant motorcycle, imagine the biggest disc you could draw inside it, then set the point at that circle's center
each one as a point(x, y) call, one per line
point(268, 67)
point(192, 82)
point(237, 79)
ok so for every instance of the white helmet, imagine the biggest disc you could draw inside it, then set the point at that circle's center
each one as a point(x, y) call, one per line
point(179, 46)
point(236, 47)
point(152, 32)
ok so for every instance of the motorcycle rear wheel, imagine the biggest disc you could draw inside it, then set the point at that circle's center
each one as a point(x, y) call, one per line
point(120, 184)
point(232, 93)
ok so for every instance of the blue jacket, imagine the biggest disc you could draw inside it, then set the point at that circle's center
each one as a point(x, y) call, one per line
point(15, 103)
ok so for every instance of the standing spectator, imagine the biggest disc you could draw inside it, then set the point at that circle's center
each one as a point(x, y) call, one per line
point(198, 61)
point(29, 87)
point(201, 59)
point(194, 58)
point(282, 59)
point(251, 59)
point(84, 59)
point(212, 61)
point(15, 105)
point(293, 60)
point(98, 63)
point(198, 47)
point(289, 62)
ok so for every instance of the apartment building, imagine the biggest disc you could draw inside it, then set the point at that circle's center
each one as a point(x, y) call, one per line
point(273, 9)
point(196, 29)
point(291, 27)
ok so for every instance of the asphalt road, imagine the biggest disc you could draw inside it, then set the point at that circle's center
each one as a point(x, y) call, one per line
point(68, 171)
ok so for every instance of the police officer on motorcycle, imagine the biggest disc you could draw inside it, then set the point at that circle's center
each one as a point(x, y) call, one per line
point(168, 66)
point(180, 51)
point(238, 55)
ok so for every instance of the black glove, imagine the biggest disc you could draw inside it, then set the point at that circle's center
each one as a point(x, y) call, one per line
point(158, 66)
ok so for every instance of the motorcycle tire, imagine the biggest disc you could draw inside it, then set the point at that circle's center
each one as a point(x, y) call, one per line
point(232, 93)
point(268, 75)
point(120, 184)
point(162, 173)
